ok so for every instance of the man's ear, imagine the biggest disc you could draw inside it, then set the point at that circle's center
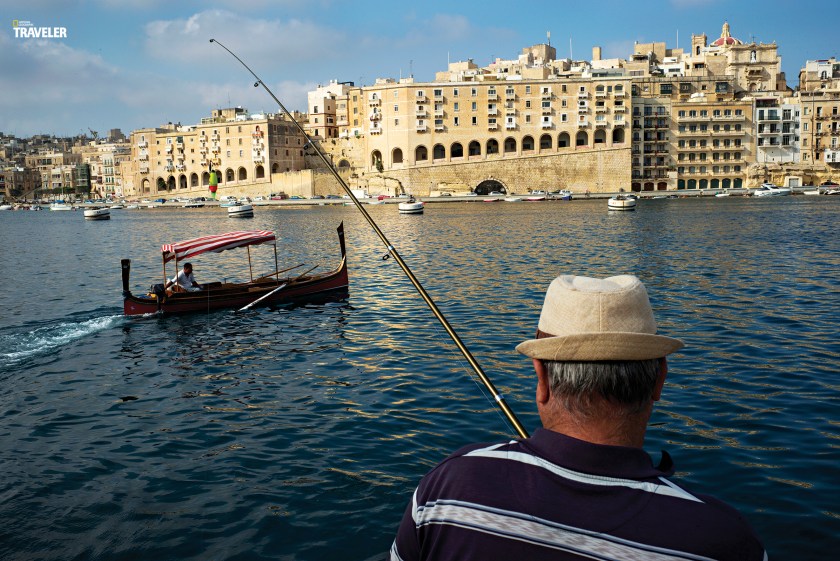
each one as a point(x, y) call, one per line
point(660, 380)
point(543, 387)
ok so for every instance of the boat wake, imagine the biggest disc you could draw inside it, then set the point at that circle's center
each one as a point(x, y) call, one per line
point(17, 347)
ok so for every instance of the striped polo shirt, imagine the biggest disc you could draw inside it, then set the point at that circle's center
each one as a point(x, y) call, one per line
point(555, 497)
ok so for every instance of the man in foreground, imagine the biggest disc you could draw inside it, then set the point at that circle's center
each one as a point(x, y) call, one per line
point(183, 281)
point(581, 487)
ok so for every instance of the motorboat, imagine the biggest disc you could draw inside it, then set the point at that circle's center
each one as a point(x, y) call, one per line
point(814, 191)
point(240, 211)
point(103, 213)
point(536, 196)
point(722, 194)
point(513, 199)
point(561, 195)
point(492, 200)
point(5, 207)
point(263, 291)
point(117, 207)
point(411, 206)
point(622, 202)
point(60, 205)
point(197, 204)
point(770, 190)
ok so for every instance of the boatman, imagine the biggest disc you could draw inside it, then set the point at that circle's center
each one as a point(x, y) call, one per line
point(581, 487)
point(184, 281)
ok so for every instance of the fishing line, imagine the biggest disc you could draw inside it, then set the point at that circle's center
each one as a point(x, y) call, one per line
point(499, 399)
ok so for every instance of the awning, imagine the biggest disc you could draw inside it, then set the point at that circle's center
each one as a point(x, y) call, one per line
point(215, 244)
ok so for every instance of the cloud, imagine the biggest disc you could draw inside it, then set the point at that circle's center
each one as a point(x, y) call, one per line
point(276, 42)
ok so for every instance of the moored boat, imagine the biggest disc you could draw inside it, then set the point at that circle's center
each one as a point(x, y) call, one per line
point(97, 213)
point(240, 211)
point(513, 199)
point(5, 207)
point(770, 190)
point(622, 202)
point(412, 206)
point(264, 291)
point(60, 205)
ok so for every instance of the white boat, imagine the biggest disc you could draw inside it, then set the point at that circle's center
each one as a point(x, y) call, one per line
point(491, 200)
point(412, 206)
point(536, 196)
point(240, 211)
point(5, 207)
point(131, 207)
point(61, 206)
point(513, 199)
point(815, 191)
point(621, 202)
point(832, 192)
point(197, 204)
point(770, 190)
point(97, 214)
point(117, 207)
point(722, 194)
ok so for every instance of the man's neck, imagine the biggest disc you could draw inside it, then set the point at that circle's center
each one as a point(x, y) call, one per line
point(605, 426)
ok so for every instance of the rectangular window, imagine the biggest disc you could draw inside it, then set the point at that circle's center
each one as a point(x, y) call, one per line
point(474, 106)
point(455, 106)
point(455, 93)
point(456, 121)
point(475, 120)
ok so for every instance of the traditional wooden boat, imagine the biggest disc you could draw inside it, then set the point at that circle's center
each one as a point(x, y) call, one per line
point(263, 291)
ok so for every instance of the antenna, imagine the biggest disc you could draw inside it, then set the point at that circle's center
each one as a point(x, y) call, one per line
point(548, 34)
point(571, 56)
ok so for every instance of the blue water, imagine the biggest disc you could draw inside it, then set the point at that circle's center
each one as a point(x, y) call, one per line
point(299, 432)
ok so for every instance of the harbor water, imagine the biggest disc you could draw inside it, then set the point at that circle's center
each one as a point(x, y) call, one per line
point(299, 432)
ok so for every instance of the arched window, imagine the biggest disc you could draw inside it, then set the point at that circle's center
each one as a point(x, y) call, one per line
point(421, 154)
point(193, 180)
point(618, 135)
point(396, 156)
point(637, 187)
point(528, 143)
point(545, 142)
point(145, 188)
point(260, 172)
point(275, 168)
point(170, 183)
point(563, 140)
point(510, 145)
point(243, 175)
point(343, 163)
point(438, 152)
point(600, 136)
point(456, 150)
point(492, 146)
point(182, 181)
point(475, 148)
point(582, 139)
point(229, 175)
point(205, 178)
point(376, 159)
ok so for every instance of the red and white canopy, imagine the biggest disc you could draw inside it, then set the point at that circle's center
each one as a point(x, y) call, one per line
point(215, 244)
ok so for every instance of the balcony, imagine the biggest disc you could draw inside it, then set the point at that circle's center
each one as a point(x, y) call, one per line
point(769, 132)
point(376, 130)
point(510, 126)
point(601, 124)
point(142, 144)
point(144, 169)
point(762, 118)
point(439, 113)
point(181, 167)
point(545, 94)
point(492, 96)
point(168, 148)
point(583, 110)
point(259, 160)
point(257, 142)
point(601, 109)
point(583, 124)
point(583, 95)
point(375, 116)
point(169, 168)
point(492, 112)
point(619, 109)
point(374, 102)
point(546, 110)
point(421, 98)
point(440, 128)
point(421, 113)
point(257, 134)
point(439, 96)
point(547, 125)
point(214, 138)
point(492, 126)
point(600, 94)
point(510, 94)
point(422, 128)
point(144, 156)
point(510, 111)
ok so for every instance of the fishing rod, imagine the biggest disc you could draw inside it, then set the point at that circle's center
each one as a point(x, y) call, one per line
point(500, 400)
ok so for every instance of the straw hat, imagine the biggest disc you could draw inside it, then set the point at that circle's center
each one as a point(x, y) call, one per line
point(586, 319)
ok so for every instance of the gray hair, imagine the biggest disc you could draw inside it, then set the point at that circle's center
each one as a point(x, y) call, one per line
point(629, 384)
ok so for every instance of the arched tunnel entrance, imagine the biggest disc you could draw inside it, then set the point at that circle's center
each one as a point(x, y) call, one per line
point(489, 186)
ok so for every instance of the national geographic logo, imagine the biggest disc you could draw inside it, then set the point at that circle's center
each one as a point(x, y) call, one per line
point(27, 30)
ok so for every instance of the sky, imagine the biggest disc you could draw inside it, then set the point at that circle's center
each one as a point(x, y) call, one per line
point(130, 64)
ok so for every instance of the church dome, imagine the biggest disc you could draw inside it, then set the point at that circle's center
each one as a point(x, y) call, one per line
point(726, 38)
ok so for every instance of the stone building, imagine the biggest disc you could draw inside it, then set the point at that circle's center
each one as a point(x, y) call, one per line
point(247, 150)
point(819, 91)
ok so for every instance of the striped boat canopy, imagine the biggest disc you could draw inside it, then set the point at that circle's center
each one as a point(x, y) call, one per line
point(215, 244)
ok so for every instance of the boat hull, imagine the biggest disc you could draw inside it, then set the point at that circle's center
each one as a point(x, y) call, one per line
point(240, 211)
point(411, 208)
point(98, 214)
point(621, 204)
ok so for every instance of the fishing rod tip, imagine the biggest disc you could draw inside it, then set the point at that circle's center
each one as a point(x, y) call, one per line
point(212, 40)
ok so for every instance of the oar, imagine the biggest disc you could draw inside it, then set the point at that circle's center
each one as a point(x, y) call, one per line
point(282, 286)
point(500, 400)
